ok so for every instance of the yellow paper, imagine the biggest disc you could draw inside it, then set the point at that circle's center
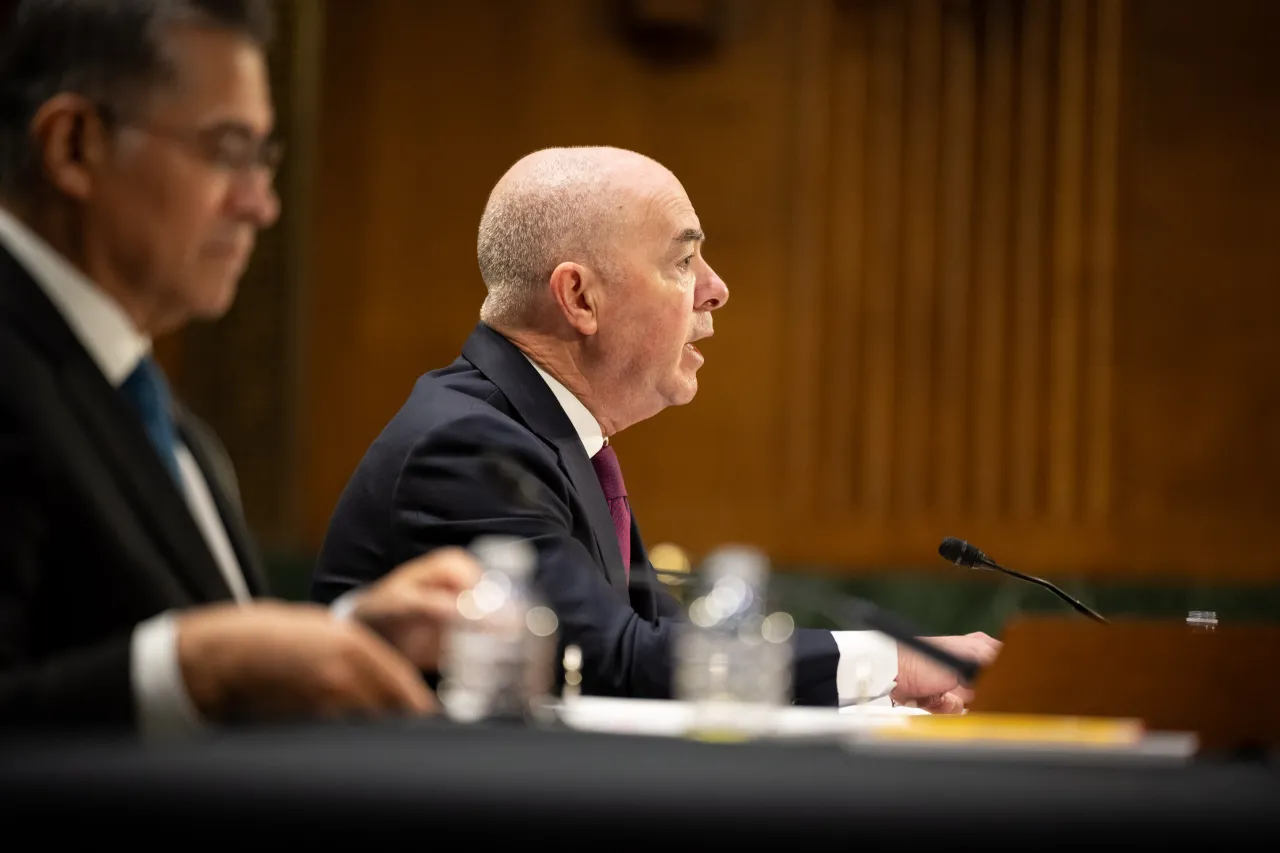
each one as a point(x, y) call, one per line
point(1018, 728)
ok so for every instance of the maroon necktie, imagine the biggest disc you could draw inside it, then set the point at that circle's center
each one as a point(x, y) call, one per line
point(609, 472)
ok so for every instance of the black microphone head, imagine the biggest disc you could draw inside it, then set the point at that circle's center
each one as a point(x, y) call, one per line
point(958, 551)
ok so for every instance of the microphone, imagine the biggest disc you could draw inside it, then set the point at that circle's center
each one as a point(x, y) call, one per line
point(961, 553)
point(852, 612)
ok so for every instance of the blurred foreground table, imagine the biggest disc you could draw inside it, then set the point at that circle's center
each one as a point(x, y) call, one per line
point(454, 786)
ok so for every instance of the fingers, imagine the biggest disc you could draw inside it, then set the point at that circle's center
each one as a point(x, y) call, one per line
point(439, 576)
point(983, 647)
point(396, 683)
point(446, 568)
point(436, 607)
point(920, 677)
point(421, 632)
point(944, 703)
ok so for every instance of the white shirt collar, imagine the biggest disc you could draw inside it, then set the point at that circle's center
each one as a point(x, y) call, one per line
point(97, 320)
point(585, 423)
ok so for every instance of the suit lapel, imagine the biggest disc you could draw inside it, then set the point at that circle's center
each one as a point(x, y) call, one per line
point(643, 581)
point(515, 377)
point(229, 511)
point(145, 480)
point(116, 436)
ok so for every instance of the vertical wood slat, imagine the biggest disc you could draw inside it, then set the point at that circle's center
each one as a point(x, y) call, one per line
point(306, 89)
point(884, 196)
point(960, 61)
point(1065, 342)
point(919, 291)
point(1027, 444)
point(841, 333)
point(971, 217)
point(992, 262)
point(1101, 260)
point(812, 47)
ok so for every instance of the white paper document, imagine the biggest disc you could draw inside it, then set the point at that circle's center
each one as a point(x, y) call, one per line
point(671, 718)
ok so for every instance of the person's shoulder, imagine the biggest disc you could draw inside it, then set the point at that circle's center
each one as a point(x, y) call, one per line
point(459, 392)
point(36, 416)
point(459, 409)
point(458, 380)
point(452, 418)
point(469, 453)
point(26, 376)
point(449, 410)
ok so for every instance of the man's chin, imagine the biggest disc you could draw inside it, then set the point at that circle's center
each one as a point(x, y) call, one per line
point(687, 391)
point(217, 302)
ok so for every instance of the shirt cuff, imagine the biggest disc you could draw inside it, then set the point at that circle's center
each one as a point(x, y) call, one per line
point(867, 667)
point(164, 710)
point(342, 606)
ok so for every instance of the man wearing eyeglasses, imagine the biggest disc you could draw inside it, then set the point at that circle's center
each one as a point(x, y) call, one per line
point(136, 166)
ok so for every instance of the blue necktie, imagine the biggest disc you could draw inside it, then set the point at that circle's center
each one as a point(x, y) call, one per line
point(148, 392)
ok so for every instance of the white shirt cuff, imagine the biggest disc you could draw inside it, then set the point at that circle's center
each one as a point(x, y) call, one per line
point(164, 710)
point(867, 668)
point(342, 606)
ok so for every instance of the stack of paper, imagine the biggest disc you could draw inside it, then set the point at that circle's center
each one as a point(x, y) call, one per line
point(1030, 736)
point(879, 728)
point(671, 718)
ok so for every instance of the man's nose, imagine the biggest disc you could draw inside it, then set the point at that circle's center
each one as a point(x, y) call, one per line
point(712, 291)
point(254, 199)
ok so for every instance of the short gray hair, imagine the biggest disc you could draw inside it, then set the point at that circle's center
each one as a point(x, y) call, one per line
point(553, 207)
point(109, 51)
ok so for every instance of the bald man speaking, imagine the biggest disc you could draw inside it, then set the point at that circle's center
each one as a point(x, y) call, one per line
point(597, 295)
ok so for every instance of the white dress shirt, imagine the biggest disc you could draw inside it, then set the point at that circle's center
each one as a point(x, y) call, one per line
point(116, 346)
point(868, 662)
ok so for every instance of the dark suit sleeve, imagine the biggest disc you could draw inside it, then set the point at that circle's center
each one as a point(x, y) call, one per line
point(667, 606)
point(445, 497)
point(88, 687)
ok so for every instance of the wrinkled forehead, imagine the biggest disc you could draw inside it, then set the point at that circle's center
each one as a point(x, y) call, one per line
point(659, 207)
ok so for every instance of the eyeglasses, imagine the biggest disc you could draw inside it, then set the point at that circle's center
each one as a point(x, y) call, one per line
point(229, 146)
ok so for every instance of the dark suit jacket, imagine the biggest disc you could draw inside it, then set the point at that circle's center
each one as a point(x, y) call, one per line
point(95, 536)
point(424, 483)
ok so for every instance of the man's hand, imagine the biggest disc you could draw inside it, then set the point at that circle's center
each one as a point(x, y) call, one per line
point(411, 607)
point(934, 688)
point(272, 660)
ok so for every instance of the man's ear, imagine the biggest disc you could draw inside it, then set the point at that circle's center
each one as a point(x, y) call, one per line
point(575, 290)
point(70, 139)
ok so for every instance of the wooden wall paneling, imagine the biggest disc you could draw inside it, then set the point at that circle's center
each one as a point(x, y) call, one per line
point(1197, 442)
point(846, 224)
point(340, 370)
point(811, 156)
point(1031, 231)
point(1067, 262)
point(995, 30)
point(955, 262)
point(980, 298)
point(877, 321)
point(951, 313)
point(1100, 261)
point(916, 380)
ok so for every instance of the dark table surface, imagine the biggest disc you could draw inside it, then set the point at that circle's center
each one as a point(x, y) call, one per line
point(500, 783)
